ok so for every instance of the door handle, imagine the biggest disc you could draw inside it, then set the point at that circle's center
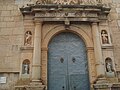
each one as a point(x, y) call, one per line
point(63, 88)
point(61, 60)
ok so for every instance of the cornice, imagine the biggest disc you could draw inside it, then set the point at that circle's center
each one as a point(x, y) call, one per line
point(55, 12)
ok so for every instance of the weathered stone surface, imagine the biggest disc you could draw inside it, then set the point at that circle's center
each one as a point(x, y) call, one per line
point(11, 36)
point(116, 1)
point(11, 81)
point(13, 26)
point(6, 13)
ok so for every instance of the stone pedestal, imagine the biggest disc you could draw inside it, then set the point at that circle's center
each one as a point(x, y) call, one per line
point(102, 87)
point(102, 84)
point(110, 74)
point(32, 86)
point(106, 84)
point(35, 86)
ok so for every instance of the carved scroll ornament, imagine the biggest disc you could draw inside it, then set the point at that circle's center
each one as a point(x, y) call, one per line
point(67, 2)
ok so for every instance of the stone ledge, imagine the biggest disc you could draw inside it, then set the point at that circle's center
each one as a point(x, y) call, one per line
point(107, 85)
point(60, 12)
point(26, 48)
point(107, 47)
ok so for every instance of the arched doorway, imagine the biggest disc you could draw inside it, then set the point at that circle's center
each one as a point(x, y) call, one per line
point(67, 63)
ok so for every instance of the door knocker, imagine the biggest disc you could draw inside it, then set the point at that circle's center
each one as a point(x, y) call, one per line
point(63, 87)
point(61, 60)
point(74, 88)
point(73, 59)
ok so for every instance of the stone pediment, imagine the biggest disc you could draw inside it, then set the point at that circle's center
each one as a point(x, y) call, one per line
point(57, 12)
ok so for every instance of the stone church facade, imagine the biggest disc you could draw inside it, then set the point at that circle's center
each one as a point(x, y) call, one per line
point(59, 45)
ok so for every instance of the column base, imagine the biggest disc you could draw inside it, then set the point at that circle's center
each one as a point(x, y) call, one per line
point(102, 80)
point(102, 84)
point(107, 84)
point(36, 80)
point(35, 85)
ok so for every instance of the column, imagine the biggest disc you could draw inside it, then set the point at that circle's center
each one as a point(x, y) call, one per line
point(97, 50)
point(36, 65)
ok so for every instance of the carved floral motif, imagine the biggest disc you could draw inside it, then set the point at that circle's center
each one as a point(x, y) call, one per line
point(68, 2)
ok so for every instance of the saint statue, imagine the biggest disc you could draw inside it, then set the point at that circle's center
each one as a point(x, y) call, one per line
point(28, 38)
point(104, 36)
point(109, 67)
point(26, 69)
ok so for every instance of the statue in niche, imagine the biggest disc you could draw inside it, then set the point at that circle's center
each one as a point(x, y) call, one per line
point(104, 36)
point(109, 66)
point(25, 67)
point(28, 38)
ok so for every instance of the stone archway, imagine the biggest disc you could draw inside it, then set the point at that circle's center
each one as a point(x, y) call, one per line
point(67, 63)
point(86, 39)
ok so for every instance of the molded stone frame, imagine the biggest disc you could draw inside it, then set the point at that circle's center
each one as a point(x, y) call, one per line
point(26, 55)
point(108, 52)
point(23, 74)
point(112, 73)
point(80, 33)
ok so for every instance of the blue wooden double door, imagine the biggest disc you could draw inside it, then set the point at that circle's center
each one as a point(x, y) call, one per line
point(67, 63)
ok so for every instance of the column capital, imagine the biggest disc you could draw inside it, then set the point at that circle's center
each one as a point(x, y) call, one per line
point(94, 23)
point(44, 49)
point(90, 48)
point(38, 22)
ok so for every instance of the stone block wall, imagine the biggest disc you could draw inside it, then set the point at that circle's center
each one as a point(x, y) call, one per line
point(114, 25)
point(11, 39)
point(11, 79)
point(11, 36)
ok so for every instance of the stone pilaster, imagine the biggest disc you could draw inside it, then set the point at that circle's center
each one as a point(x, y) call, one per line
point(36, 65)
point(91, 64)
point(97, 50)
point(44, 64)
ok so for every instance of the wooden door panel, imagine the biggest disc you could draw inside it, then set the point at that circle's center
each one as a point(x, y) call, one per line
point(67, 63)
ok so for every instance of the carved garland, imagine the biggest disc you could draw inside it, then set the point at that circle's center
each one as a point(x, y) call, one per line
point(68, 2)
